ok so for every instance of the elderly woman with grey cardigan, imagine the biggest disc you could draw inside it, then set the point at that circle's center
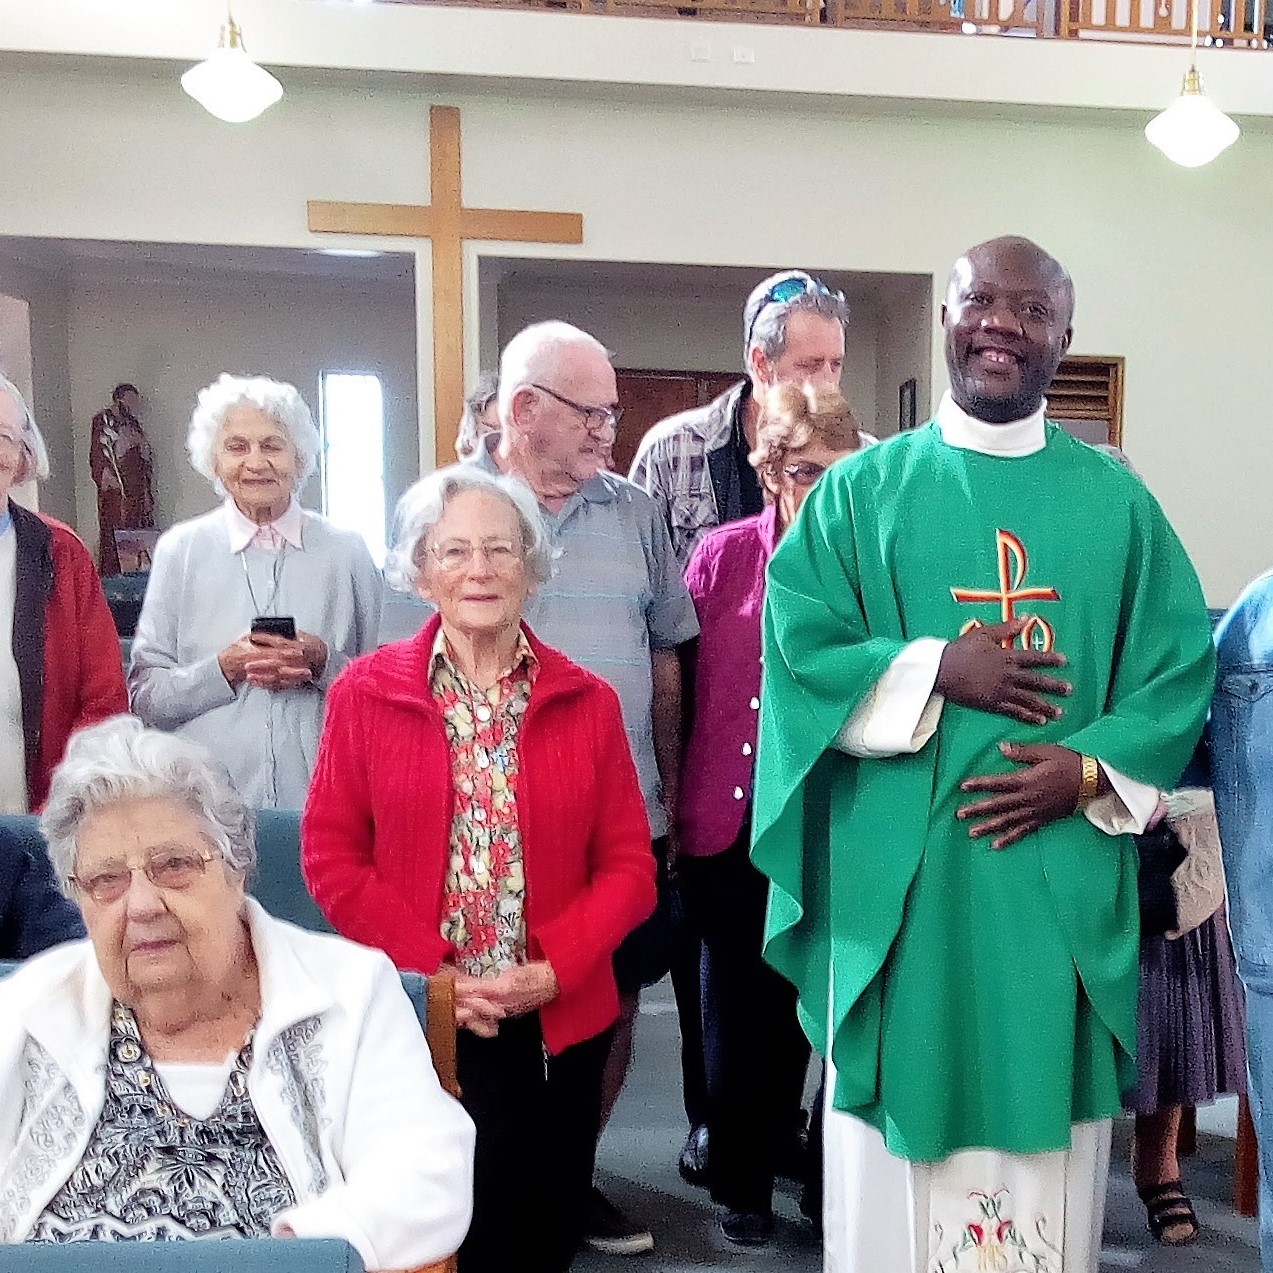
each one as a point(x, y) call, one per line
point(254, 608)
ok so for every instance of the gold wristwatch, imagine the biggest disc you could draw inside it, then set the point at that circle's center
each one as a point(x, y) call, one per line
point(1090, 786)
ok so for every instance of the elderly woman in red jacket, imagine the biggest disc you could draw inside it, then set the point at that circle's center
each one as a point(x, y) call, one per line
point(475, 810)
point(62, 667)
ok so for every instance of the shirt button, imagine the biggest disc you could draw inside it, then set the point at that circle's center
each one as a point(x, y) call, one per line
point(746, 749)
point(479, 815)
point(483, 713)
point(754, 704)
point(739, 793)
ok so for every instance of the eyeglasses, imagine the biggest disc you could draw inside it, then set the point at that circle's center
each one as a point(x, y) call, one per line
point(594, 417)
point(804, 474)
point(786, 290)
point(170, 871)
point(454, 554)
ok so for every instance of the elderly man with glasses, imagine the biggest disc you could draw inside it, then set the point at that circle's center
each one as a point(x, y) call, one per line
point(616, 603)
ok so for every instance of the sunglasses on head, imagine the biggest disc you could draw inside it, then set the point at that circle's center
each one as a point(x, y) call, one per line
point(786, 290)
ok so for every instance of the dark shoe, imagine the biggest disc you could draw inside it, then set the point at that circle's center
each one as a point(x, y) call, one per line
point(1170, 1214)
point(610, 1231)
point(692, 1163)
point(747, 1228)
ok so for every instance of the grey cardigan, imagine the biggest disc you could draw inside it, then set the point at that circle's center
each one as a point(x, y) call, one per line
point(198, 602)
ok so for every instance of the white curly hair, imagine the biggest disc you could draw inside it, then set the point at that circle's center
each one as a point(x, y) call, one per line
point(120, 759)
point(421, 508)
point(35, 455)
point(279, 401)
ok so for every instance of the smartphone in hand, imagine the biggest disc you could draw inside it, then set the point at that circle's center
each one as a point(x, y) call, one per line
point(280, 625)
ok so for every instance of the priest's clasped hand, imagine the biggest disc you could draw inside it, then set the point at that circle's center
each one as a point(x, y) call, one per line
point(983, 670)
point(1045, 790)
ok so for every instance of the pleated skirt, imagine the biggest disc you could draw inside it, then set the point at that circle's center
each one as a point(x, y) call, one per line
point(1191, 1020)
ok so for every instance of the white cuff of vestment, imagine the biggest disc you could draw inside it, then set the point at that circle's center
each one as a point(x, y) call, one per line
point(1126, 809)
point(901, 713)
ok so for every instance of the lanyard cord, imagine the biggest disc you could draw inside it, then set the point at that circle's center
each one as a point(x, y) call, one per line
point(257, 608)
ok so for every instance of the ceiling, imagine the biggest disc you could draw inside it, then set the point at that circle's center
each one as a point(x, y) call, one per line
point(76, 258)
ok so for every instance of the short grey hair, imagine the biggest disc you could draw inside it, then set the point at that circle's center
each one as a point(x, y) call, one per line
point(280, 401)
point(535, 354)
point(422, 506)
point(120, 759)
point(35, 455)
point(765, 321)
point(469, 438)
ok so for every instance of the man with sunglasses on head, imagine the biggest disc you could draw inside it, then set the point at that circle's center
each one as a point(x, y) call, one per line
point(986, 652)
point(617, 604)
point(695, 464)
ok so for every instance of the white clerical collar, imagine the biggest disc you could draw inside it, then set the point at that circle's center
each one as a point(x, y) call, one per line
point(1016, 438)
point(244, 531)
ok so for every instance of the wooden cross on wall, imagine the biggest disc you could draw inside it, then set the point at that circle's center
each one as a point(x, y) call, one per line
point(446, 223)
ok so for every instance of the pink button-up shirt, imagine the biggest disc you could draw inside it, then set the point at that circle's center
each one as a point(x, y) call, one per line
point(726, 578)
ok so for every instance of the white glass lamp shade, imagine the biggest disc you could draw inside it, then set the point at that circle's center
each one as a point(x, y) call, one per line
point(1193, 130)
point(231, 86)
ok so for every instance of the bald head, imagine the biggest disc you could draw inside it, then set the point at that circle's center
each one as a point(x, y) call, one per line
point(1009, 305)
point(1026, 256)
point(558, 406)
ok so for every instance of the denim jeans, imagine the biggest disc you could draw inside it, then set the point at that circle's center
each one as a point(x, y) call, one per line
point(1242, 772)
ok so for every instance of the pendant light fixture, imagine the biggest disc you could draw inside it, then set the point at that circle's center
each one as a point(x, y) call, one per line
point(229, 84)
point(1193, 130)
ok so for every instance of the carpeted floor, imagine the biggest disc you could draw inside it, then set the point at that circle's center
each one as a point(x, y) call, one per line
point(638, 1167)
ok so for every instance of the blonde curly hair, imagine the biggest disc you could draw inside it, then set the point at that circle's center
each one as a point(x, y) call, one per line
point(797, 416)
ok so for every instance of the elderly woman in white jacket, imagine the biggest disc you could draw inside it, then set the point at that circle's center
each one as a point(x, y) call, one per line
point(280, 1080)
point(251, 610)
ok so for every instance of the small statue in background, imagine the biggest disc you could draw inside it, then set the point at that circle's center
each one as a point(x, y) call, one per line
point(120, 460)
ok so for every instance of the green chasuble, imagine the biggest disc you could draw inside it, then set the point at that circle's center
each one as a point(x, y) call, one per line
point(976, 998)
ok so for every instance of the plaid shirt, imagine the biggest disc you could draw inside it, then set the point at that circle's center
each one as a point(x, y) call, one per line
point(683, 466)
point(671, 465)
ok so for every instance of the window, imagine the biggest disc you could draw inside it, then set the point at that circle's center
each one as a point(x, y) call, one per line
point(353, 468)
point(1086, 397)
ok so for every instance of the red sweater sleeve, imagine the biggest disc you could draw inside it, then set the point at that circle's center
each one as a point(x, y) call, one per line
point(620, 892)
point(338, 849)
point(83, 663)
point(102, 692)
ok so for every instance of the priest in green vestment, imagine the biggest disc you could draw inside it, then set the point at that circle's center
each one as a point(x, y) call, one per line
point(986, 652)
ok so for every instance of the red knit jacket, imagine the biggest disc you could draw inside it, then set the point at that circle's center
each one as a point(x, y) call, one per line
point(376, 831)
point(64, 642)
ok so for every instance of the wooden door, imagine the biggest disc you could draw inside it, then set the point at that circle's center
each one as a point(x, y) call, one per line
point(650, 396)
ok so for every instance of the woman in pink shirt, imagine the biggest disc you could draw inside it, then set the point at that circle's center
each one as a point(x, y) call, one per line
point(756, 1051)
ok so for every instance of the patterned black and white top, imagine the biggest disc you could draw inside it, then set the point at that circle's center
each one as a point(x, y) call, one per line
point(151, 1172)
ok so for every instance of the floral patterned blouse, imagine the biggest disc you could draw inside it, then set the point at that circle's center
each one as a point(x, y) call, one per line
point(484, 897)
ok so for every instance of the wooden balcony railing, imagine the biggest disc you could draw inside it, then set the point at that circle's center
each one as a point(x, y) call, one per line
point(1245, 23)
point(1234, 23)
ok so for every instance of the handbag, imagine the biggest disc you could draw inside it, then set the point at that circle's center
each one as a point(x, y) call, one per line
point(1161, 853)
point(1198, 882)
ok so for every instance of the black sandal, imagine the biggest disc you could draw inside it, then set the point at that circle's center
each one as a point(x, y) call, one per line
point(1168, 1208)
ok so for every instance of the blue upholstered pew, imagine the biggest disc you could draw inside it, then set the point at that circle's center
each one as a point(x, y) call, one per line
point(246, 1255)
